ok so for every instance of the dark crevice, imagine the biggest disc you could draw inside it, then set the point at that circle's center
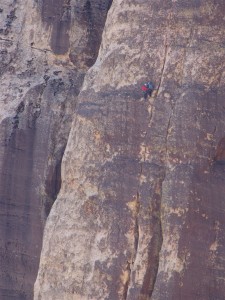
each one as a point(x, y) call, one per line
point(156, 245)
point(136, 231)
point(53, 181)
point(92, 16)
point(154, 249)
point(52, 186)
point(136, 243)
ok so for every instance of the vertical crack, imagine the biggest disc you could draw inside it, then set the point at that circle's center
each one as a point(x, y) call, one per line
point(163, 68)
point(157, 240)
point(166, 159)
point(136, 226)
point(130, 264)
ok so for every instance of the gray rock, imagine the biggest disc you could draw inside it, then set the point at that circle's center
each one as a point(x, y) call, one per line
point(39, 87)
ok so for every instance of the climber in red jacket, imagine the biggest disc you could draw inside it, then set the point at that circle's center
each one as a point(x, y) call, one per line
point(147, 89)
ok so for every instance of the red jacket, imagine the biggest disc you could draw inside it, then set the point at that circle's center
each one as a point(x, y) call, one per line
point(144, 88)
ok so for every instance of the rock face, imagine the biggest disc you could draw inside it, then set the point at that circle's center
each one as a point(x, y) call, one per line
point(140, 208)
point(46, 48)
point(140, 213)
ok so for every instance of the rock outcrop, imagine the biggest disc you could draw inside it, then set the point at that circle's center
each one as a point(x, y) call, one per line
point(46, 47)
point(140, 213)
point(135, 204)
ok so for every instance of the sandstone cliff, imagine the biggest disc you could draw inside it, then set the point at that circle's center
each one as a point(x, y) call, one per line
point(46, 48)
point(139, 213)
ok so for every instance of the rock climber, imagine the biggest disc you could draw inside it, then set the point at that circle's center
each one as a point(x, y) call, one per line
point(147, 89)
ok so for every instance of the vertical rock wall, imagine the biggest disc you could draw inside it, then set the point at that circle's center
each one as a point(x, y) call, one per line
point(140, 214)
point(45, 50)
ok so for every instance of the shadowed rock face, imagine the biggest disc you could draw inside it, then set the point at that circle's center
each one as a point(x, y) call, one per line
point(39, 88)
point(58, 15)
point(89, 17)
point(31, 150)
point(140, 213)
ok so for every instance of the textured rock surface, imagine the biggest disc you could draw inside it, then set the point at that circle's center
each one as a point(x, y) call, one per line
point(45, 49)
point(140, 214)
